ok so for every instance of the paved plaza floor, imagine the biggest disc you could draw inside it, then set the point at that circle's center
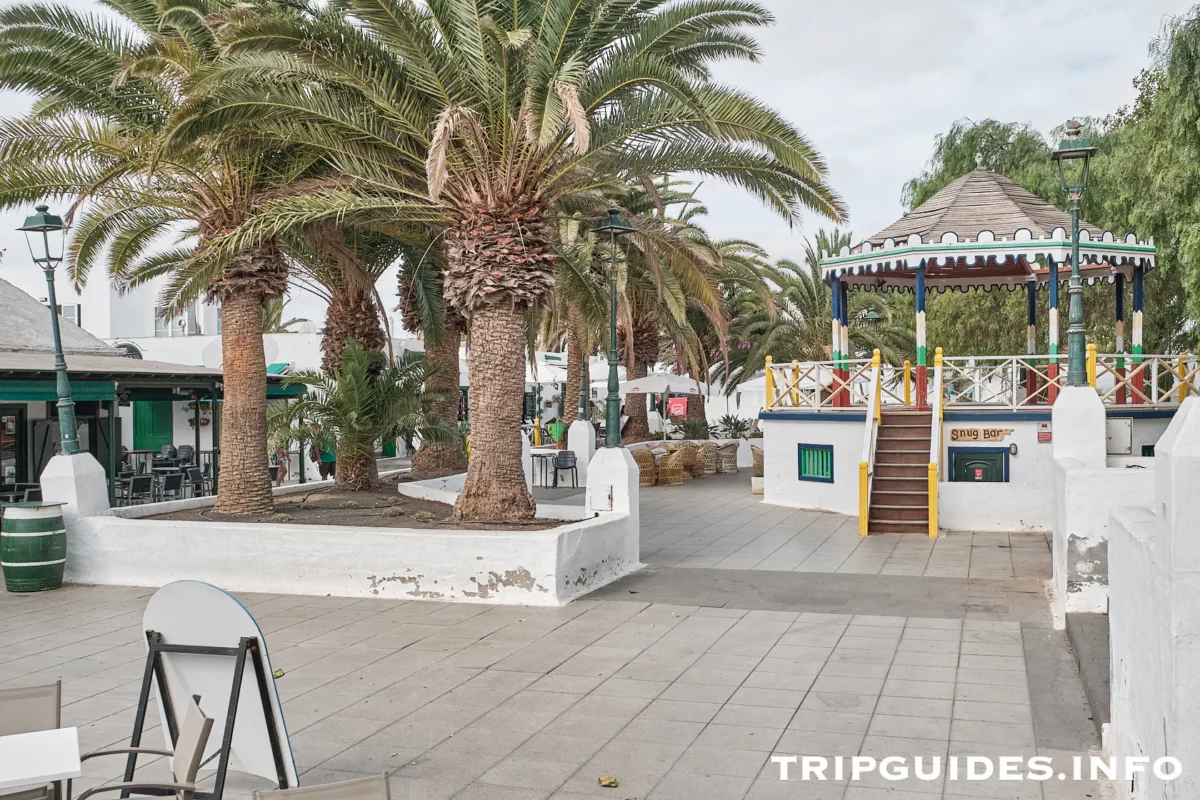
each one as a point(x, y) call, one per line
point(680, 681)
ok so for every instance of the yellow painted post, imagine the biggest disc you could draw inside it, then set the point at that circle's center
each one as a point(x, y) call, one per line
point(1181, 369)
point(796, 384)
point(907, 383)
point(878, 399)
point(937, 363)
point(770, 385)
point(863, 499)
point(1091, 364)
point(537, 432)
point(933, 500)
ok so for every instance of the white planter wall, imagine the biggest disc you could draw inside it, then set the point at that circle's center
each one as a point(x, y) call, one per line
point(781, 468)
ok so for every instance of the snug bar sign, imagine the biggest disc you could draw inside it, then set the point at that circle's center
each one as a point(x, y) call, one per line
point(979, 434)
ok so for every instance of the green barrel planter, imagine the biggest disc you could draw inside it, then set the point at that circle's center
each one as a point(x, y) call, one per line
point(33, 546)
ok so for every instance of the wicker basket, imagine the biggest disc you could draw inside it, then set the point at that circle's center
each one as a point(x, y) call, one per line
point(687, 457)
point(727, 458)
point(757, 452)
point(670, 469)
point(708, 457)
point(648, 470)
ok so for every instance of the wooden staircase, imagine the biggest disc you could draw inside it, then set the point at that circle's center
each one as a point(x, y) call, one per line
point(900, 488)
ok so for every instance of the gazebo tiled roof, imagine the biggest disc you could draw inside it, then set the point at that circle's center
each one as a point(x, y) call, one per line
point(982, 231)
point(979, 201)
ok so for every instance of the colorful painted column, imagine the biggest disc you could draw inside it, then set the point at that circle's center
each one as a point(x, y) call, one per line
point(1031, 378)
point(1139, 376)
point(1120, 286)
point(1052, 369)
point(835, 353)
point(844, 305)
point(922, 376)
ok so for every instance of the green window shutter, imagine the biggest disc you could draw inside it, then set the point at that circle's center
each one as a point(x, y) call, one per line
point(816, 462)
point(153, 424)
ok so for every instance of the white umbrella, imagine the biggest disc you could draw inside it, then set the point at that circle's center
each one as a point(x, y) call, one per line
point(663, 383)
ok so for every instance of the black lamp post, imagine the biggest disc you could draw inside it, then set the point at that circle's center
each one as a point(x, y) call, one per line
point(48, 228)
point(614, 226)
point(1074, 180)
point(584, 387)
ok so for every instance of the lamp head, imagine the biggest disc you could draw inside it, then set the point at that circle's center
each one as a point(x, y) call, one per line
point(46, 230)
point(613, 224)
point(1074, 157)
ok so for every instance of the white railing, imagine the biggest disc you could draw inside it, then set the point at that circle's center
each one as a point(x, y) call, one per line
point(1007, 381)
point(866, 466)
point(814, 385)
point(935, 439)
point(1157, 380)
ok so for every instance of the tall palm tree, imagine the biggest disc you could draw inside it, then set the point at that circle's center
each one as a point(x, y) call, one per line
point(794, 324)
point(272, 317)
point(104, 92)
point(488, 118)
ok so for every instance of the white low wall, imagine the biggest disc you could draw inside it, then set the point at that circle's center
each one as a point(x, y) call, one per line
point(745, 459)
point(522, 567)
point(781, 460)
point(1154, 575)
point(1084, 500)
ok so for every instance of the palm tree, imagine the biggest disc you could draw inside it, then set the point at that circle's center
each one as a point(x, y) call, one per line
point(367, 398)
point(794, 325)
point(488, 118)
point(104, 92)
point(272, 317)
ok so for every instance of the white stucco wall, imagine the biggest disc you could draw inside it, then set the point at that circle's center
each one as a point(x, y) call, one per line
point(782, 485)
point(1154, 557)
point(1025, 503)
point(1084, 500)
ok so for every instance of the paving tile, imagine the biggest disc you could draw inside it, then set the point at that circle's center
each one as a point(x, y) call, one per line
point(830, 721)
point(690, 786)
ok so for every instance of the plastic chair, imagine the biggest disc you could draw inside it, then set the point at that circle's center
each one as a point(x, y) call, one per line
point(185, 759)
point(185, 453)
point(564, 461)
point(197, 481)
point(647, 469)
point(26, 709)
point(33, 494)
point(373, 788)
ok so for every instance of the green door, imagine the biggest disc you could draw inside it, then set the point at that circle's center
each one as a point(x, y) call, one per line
point(153, 425)
point(979, 466)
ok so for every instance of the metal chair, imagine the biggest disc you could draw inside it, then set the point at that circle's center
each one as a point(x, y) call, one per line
point(172, 488)
point(373, 788)
point(168, 451)
point(26, 709)
point(185, 759)
point(197, 482)
point(32, 494)
point(185, 452)
point(140, 489)
point(564, 461)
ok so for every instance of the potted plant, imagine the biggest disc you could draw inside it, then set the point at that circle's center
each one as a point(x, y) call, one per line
point(733, 427)
point(693, 429)
point(756, 482)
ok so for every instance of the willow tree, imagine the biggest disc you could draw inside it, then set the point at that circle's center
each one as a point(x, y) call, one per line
point(490, 117)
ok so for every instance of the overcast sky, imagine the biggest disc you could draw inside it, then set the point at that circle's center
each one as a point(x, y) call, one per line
point(872, 82)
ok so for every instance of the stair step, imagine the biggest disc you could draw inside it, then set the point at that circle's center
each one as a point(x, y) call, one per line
point(900, 526)
point(908, 499)
point(903, 513)
point(902, 483)
point(901, 471)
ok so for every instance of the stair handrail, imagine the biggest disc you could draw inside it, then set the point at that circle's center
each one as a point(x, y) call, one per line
point(935, 441)
point(866, 466)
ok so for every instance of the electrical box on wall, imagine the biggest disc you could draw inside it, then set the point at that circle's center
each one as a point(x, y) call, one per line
point(1120, 436)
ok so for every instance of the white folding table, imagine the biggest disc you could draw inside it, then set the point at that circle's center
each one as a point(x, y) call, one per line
point(32, 759)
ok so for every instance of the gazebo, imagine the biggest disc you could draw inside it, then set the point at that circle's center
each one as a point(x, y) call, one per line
point(983, 231)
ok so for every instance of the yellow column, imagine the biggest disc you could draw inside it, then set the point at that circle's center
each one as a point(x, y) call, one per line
point(907, 383)
point(796, 384)
point(1091, 364)
point(537, 432)
point(878, 399)
point(933, 500)
point(1181, 370)
point(863, 499)
point(770, 385)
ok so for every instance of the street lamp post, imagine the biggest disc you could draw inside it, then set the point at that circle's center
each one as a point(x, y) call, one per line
point(614, 226)
point(1075, 148)
point(50, 228)
point(584, 387)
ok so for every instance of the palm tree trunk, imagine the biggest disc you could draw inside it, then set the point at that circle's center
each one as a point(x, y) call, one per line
point(645, 353)
point(244, 485)
point(441, 356)
point(495, 488)
point(574, 367)
point(352, 314)
point(355, 472)
point(695, 407)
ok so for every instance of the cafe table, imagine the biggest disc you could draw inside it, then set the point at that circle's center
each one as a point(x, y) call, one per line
point(38, 758)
